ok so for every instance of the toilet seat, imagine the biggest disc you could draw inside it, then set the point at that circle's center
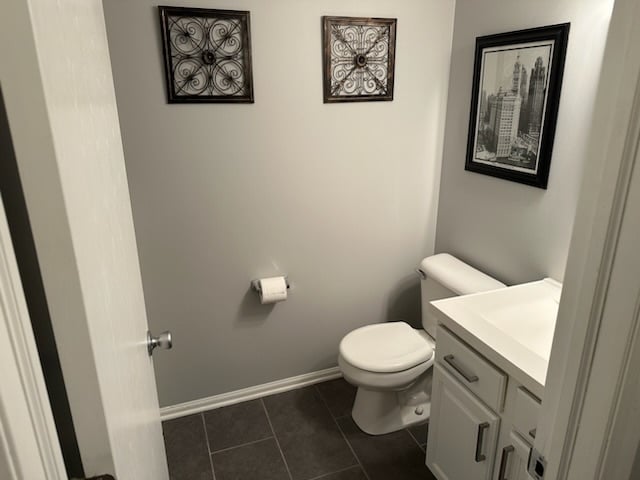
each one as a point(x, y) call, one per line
point(385, 348)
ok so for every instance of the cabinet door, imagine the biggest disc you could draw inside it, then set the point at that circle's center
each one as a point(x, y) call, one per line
point(522, 450)
point(514, 458)
point(463, 432)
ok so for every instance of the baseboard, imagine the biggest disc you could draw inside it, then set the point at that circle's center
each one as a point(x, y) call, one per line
point(238, 396)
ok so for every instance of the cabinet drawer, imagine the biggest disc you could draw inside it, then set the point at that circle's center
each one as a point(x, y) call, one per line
point(525, 414)
point(471, 369)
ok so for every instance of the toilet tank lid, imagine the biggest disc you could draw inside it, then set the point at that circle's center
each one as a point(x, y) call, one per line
point(457, 276)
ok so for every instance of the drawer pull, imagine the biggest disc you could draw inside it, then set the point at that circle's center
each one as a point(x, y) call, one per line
point(482, 428)
point(532, 433)
point(451, 360)
point(506, 451)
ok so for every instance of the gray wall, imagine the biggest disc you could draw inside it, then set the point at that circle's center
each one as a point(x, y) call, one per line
point(516, 232)
point(342, 198)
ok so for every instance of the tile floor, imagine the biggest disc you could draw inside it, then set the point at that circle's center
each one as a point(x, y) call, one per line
point(304, 434)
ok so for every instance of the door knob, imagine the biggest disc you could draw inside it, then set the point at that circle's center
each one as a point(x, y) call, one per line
point(163, 341)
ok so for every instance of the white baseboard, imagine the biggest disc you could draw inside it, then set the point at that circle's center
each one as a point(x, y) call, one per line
point(238, 396)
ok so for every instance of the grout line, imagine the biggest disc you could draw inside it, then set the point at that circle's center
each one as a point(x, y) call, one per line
point(324, 475)
point(414, 437)
point(353, 452)
point(286, 465)
point(242, 445)
point(324, 402)
point(206, 436)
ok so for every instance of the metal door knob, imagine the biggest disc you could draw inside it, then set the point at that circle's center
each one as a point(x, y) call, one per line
point(163, 341)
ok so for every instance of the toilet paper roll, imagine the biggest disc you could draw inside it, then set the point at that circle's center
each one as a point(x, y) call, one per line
point(272, 290)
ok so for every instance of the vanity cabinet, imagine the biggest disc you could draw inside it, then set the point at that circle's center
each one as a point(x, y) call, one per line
point(463, 432)
point(482, 421)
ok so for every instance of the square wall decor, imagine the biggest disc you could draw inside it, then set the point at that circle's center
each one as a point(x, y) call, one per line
point(207, 55)
point(358, 58)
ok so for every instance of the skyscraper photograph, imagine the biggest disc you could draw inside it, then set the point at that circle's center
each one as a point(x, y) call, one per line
point(510, 116)
point(517, 84)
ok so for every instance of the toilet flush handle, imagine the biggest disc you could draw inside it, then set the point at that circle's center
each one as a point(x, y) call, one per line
point(421, 274)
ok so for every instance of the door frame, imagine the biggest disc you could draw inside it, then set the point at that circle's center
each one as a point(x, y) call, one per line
point(39, 164)
point(29, 446)
point(61, 108)
point(581, 408)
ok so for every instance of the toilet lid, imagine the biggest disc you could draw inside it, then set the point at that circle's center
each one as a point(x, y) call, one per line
point(385, 347)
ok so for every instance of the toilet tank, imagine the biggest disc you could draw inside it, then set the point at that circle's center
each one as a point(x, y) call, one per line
point(445, 276)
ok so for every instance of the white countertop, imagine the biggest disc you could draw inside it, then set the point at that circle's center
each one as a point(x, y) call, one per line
point(512, 327)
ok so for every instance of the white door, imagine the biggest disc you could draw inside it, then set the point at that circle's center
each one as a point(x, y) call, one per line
point(462, 434)
point(61, 107)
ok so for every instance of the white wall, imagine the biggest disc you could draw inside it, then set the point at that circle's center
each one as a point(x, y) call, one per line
point(342, 198)
point(516, 232)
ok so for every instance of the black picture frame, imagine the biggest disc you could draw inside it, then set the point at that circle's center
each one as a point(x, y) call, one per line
point(359, 52)
point(207, 55)
point(513, 118)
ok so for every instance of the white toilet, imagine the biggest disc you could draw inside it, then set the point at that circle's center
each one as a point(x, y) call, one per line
point(390, 363)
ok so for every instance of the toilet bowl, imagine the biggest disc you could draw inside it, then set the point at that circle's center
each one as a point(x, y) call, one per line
point(390, 363)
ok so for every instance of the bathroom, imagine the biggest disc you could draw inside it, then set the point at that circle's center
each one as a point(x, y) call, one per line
point(344, 199)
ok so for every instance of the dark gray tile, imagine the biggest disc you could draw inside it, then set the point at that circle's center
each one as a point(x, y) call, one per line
point(256, 461)
point(339, 396)
point(383, 457)
point(420, 433)
point(310, 440)
point(236, 425)
point(187, 452)
point(354, 473)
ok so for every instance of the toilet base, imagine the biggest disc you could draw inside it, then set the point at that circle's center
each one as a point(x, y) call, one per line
point(377, 412)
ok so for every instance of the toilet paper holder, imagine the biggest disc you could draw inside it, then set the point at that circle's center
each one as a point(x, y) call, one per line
point(255, 284)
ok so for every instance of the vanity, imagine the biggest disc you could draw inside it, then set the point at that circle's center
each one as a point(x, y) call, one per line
point(491, 363)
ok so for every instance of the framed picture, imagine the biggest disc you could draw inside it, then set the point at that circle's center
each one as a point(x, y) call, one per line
point(514, 106)
point(207, 55)
point(358, 59)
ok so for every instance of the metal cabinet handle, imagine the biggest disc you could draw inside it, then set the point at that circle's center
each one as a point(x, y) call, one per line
point(469, 377)
point(506, 451)
point(482, 428)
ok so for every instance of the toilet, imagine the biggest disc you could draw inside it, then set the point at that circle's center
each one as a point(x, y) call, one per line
point(390, 363)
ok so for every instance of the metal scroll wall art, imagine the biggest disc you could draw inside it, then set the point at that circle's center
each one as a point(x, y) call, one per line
point(359, 59)
point(207, 55)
